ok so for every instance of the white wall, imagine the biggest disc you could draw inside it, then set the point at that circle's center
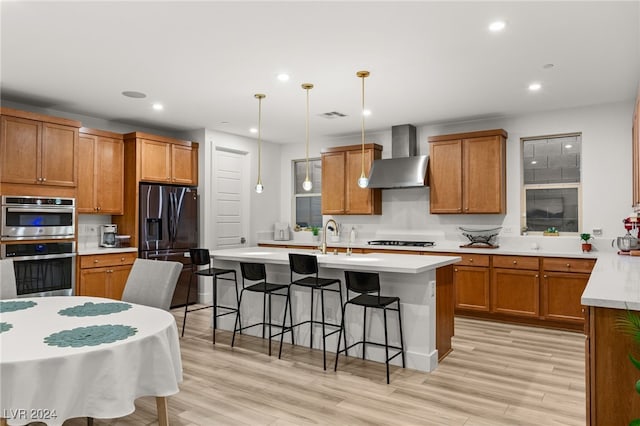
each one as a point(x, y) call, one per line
point(606, 171)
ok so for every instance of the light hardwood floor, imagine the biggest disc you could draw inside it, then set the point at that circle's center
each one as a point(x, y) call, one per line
point(497, 374)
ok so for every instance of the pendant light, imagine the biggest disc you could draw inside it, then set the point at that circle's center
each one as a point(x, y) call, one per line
point(363, 181)
point(259, 186)
point(307, 185)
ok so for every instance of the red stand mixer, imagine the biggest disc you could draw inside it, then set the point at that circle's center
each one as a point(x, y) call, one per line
point(628, 242)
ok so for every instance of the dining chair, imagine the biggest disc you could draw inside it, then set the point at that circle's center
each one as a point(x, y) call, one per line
point(7, 280)
point(152, 283)
point(366, 285)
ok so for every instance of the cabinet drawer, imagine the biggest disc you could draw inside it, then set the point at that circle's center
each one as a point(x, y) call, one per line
point(111, 259)
point(473, 260)
point(568, 265)
point(516, 262)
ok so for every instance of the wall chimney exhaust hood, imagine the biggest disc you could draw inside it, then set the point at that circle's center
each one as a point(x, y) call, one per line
point(404, 169)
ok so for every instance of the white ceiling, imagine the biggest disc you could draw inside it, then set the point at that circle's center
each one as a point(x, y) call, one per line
point(429, 61)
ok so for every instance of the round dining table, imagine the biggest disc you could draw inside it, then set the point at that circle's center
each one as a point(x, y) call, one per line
point(71, 356)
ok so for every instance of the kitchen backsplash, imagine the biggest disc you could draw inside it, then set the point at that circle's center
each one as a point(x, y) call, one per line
point(89, 229)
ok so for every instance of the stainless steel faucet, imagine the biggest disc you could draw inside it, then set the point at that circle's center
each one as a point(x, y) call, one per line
point(323, 246)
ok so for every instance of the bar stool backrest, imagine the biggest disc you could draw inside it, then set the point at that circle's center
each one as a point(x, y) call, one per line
point(303, 264)
point(253, 271)
point(362, 282)
point(199, 256)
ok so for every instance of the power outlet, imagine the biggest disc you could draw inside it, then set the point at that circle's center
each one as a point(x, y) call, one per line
point(597, 232)
point(507, 230)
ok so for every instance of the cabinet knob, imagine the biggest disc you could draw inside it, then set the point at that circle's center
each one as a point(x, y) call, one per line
point(568, 265)
point(95, 261)
point(168, 178)
point(470, 260)
point(515, 262)
point(44, 179)
point(99, 208)
point(122, 259)
point(39, 179)
point(455, 270)
point(536, 275)
point(544, 276)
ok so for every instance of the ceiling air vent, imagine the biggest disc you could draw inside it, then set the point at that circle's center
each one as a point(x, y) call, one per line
point(333, 114)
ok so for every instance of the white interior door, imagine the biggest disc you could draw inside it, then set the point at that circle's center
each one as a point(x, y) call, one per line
point(230, 208)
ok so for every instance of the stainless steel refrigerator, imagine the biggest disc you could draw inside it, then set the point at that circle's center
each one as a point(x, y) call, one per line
point(168, 229)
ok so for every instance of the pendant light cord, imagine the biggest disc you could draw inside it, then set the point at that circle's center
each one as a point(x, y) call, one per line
point(259, 139)
point(307, 89)
point(362, 113)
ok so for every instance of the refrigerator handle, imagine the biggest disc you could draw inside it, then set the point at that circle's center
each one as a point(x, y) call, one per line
point(172, 225)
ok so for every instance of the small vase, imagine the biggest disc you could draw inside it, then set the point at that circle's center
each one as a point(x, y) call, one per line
point(586, 247)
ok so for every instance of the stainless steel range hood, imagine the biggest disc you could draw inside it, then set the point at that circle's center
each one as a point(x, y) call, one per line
point(405, 169)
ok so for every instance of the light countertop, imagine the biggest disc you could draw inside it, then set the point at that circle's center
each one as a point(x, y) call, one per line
point(449, 247)
point(374, 262)
point(105, 250)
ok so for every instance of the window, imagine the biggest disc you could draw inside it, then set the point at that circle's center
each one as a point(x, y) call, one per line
point(551, 182)
point(308, 210)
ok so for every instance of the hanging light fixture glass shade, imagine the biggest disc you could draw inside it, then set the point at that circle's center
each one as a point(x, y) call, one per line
point(307, 185)
point(259, 186)
point(363, 181)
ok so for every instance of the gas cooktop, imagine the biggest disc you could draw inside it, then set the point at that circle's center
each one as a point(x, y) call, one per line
point(401, 243)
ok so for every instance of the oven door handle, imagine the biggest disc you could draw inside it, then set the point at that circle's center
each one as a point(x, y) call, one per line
point(39, 210)
point(42, 257)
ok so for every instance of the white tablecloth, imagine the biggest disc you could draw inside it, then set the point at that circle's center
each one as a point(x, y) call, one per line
point(38, 381)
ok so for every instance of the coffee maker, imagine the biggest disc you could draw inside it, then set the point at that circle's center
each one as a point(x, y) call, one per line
point(108, 235)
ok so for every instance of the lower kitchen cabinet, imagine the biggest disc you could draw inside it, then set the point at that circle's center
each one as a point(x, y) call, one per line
point(471, 279)
point(563, 282)
point(515, 286)
point(104, 275)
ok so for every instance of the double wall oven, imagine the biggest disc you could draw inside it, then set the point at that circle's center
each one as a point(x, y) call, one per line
point(38, 234)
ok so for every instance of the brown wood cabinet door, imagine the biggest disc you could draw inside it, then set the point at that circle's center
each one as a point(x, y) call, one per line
point(484, 175)
point(19, 148)
point(515, 292)
point(93, 282)
point(561, 294)
point(155, 161)
point(333, 183)
point(358, 200)
point(85, 200)
point(471, 288)
point(184, 167)
point(109, 175)
point(59, 155)
point(118, 280)
point(445, 176)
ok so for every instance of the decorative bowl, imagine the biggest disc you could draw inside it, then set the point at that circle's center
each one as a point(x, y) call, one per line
point(480, 237)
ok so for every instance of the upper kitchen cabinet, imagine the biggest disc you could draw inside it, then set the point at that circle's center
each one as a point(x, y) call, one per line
point(636, 153)
point(341, 168)
point(100, 172)
point(166, 160)
point(467, 172)
point(37, 150)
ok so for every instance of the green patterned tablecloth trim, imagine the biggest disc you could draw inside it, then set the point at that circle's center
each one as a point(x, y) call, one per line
point(91, 309)
point(5, 326)
point(90, 336)
point(16, 305)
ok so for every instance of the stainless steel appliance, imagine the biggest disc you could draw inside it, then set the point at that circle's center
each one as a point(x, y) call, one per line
point(108, 235)
point(42, 268)
point(25, 218)
point(401, 243)
point(168, 229)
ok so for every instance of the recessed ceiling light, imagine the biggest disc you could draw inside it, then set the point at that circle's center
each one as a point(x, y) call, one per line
point(568, 146)
point(497, 26)
point(534, 162)
point(133, 94)
point(283, 77)
point(366, 112)
point(158, 107)
point(535, 86)
point(253, 130)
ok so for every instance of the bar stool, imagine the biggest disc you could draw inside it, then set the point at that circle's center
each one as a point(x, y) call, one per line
point(200, 257)
point(304, 264)
point(257, 272)
point(366, 284)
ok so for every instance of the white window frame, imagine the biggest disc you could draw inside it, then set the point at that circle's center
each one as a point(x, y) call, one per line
point(524, 187)
point(295, 195)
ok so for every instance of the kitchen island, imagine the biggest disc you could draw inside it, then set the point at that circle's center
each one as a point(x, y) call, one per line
point(423, 283)
point(613, 288)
